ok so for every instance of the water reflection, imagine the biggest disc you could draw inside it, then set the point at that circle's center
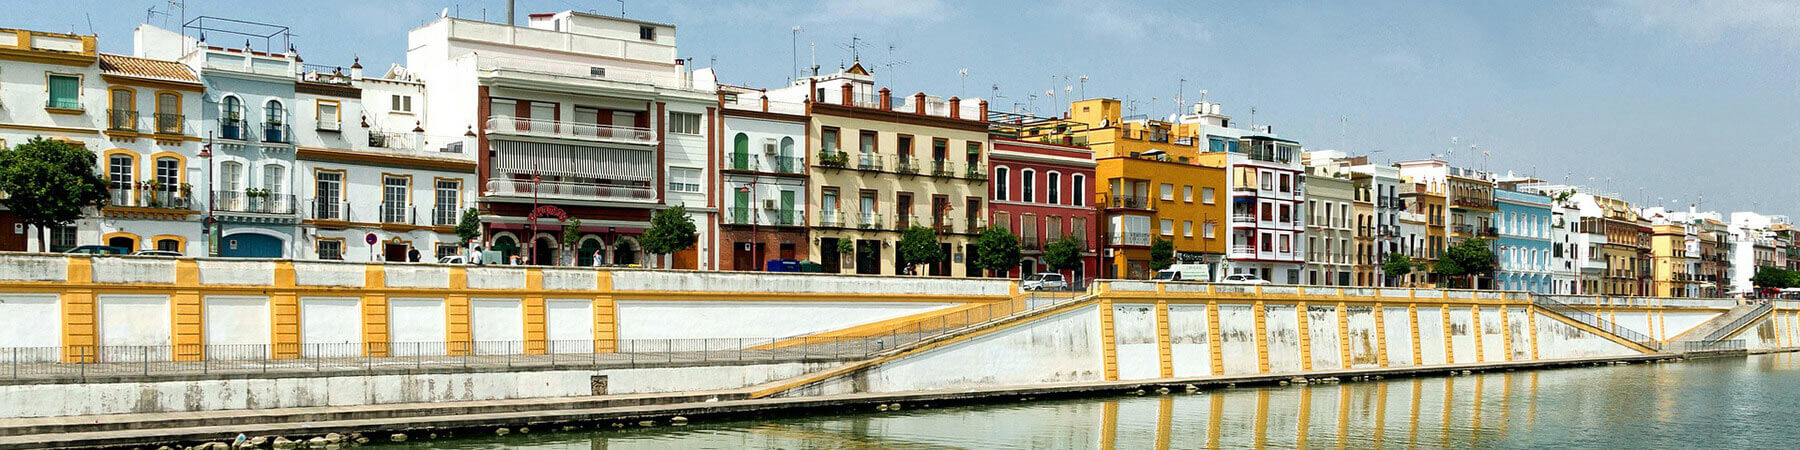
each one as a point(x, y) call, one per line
point(1738, 402)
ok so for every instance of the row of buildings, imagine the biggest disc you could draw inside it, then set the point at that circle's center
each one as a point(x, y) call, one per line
point(218, 149)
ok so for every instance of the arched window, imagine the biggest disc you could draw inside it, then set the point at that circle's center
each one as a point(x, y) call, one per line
point(1027, 180)
point(1078, 190)
point(787, 155)
point(168, 173)
point(740, 152)
point(168, 113)
point(233, 109)
point(120, 171)
point(1001, 183)
point(273, 113)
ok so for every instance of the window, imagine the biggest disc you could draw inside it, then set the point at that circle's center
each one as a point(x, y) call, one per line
point(684, 123)
point(168, 173)
point(394, 198)
point(828, 140)
point(62, 238)
point(330, 249)
point(65, 92)
point(1287, 213)
point(1268, 242)
point(448, 202)
point(1287, 243)
point(403, 103)
point(1187, 228)
point(647, 32)
point(273, 174)
point(1187, 193)
point(1287, 183)
point(273, 113)
point(328, 194)
point(1027, 181)
point(1268, 181)
point(1206, 229)
point(168, 113)
point(684, 179)
point(124, 110)
point(231, 176)
point(168, 245)
point(446, 249)
point(1168, 227)
point(119, 170)
point(1078, 191)
point(1053, 190)
point(327, 113)
point(1206, 195)
point(867, 142)
point(1000, 183)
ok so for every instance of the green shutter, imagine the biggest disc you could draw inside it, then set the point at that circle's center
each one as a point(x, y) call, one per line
point(65, 92)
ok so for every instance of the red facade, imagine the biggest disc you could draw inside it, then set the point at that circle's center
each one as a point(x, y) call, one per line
point(1041, 192)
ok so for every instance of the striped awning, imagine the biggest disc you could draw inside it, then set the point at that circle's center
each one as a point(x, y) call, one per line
point(574, 161)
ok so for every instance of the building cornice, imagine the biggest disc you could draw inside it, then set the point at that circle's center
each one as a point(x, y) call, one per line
point(382, 159)
point(819, 108)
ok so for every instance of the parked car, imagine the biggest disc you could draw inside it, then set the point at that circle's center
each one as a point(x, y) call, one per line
point(1243, 278)
point(1044, 282)
point(98, 250)
point(158, 253)
point(1185, 272)
point(453, 259)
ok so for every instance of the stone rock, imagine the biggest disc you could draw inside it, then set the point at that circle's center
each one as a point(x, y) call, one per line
point(568, 428)
point(678, 420)
point(334, 437)
point(1162, 391)
point(502, 432)
point(259, 441)
point(283, 443)
point(1191, 388)
point(317, 441)
point(434, 435)
point(894, 407)
point(618, 425)
point(885, 407)
point(524, 430)
point(397, 437)
point(647, 423)
point(359, 440)
point(1298, 380)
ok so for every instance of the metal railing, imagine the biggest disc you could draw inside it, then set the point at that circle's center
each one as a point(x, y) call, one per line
point(1703, 346)
point(233, 129)
point(397, 213)
point(1739, 323)
point(446, 216)
point(278, 133)
point(330, 210)
point(121, 120)
point(329, 125)
point(580, 191)
point(1594, 321)
point(236, 201)
point(570, 130)
point(171, 124)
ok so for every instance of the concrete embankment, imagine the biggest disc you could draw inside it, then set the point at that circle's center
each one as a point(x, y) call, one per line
point(419, 420)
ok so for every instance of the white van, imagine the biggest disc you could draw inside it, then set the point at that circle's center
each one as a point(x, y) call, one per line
point(1185, 272)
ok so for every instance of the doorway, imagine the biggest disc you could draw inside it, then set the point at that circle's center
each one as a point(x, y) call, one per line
point(543, 252)
point(829, 258)
point(868, 257)
point(393, 252)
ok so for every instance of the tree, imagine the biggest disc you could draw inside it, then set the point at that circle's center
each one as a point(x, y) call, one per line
point(996, 250)
point(1398, 265)
point(670, 231)
point(469, 228)
point(571, 233)
point(1466, 259)
point(48, 183)
point(1063, 253)
point(1775, 278)
point(919, 245)
point(1162, 254)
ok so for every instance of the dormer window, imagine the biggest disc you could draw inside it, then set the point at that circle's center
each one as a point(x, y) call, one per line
point(647, 32)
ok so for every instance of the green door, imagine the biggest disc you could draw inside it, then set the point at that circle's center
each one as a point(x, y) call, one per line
point(787, 208)
point(740, 152)
point(740, 210)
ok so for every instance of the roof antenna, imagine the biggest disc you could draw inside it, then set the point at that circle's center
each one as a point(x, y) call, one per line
point(621, 9)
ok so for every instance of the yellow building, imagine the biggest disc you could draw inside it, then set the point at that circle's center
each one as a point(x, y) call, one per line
point(1153, 183)
point(881, 165)
point(1671, 261)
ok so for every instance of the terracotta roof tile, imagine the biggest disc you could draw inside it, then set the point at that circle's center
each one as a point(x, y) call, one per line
point(146, 68)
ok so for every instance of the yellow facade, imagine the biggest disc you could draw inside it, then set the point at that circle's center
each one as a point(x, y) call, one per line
point(1668, 249)
point(918, 170)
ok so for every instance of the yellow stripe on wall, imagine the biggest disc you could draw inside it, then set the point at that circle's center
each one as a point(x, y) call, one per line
point(79, 328)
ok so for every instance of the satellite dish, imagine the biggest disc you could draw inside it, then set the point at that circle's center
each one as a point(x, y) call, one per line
point(444, 13)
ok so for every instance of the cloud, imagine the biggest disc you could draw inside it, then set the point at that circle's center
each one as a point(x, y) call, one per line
point(1709, 21)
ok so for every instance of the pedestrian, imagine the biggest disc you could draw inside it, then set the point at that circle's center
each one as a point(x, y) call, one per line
point(596, 258)
point(476, 255)
point(515, 260)
point(412, 254)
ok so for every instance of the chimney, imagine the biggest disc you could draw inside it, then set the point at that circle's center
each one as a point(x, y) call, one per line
point(846, 89)
point(510, 15)
point(919, 103)
point(955, 108)
point(887, 99)
point(983, 105)
point(812, 89)
point(356, 72)
point(418, 135)
point(765, 102)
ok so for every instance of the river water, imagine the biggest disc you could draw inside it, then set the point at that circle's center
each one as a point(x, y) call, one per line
point(1744, 402)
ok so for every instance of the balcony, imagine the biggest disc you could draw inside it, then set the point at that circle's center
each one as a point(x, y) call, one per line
point(396, 213)
point(868, 161)
point(121, 120)
point(1242, 251)
point(975, 171)
point(832, 159)
point(542, 128)
point(1465, 201)
point(831, 218)
point(174, 124)
point(323, 209)
point(1129, 202)
point(1388, 231)
point(446, 217)
point(1243, 218)
point(150, 198)
point(1031, 243)
point(944, 224)
point(868, 220)
point(277, 133)
point(234, 129)
point(329, 125)
point(572, 191)
point(903, 221)
point(942, 168)
point(1131, 238)
point(241, 202)
point(907, 165)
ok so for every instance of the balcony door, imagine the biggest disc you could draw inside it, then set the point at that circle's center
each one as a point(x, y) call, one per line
point(740, 206)
point(787, 208)
point(543, 115)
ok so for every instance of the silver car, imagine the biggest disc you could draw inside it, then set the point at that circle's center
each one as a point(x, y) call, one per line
point(1044, 282)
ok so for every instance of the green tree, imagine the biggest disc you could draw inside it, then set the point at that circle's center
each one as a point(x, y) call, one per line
point(1466, 259)
point(996, 250)
point(1768, 277)
point(845, 247)
point(1063, 253)
point(48, 183)
point(1398, 265)
point(919, 245)
point(1162, 254)
point(670, 231)
point(469, 228)
point(571, 234)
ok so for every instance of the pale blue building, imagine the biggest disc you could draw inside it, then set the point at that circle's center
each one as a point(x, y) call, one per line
point(1523, 246)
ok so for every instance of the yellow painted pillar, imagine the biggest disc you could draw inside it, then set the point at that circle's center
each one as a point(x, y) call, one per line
point(187, 327)
point(1164, 346)
point(1305, 411)
point(1343, 316)
point(375, 311)
point(1109, 424)
point(1213, 346)
point(1449, 346)
point(1260, 436)
point(1109, 349)
point(1305, 330)
point(1165, 417)
point(1214, 417)
point(456, 314)
point(536, 335)
point(284, 311)
point(1262, 337)
point(1381, 343)
point(1505, 335)
point(1476, 330)
point(81, 336)
point(1412, 317)
point(1531, 321)
point(606, 313)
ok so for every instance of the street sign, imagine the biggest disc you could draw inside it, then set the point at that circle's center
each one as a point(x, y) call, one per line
point(370, 238)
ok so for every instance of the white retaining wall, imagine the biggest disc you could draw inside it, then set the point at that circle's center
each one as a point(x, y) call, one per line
point(752, 319)
point(1134, 336)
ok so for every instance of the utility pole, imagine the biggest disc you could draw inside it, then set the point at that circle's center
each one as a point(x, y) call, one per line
point(794, 45)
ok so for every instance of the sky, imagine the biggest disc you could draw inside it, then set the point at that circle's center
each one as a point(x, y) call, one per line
point(1664, 102)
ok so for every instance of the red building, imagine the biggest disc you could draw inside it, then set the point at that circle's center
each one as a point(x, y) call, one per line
point(1042, 192)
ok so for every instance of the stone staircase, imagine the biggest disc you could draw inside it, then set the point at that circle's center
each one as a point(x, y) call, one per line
point(1727, 324)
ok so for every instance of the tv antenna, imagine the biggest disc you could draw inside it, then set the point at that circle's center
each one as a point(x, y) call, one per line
point(892, 63)
point(854, 46)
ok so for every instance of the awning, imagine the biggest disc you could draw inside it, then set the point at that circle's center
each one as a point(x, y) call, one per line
point(574, 161)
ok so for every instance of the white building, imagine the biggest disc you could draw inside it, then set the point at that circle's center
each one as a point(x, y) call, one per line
point(140, 117)
point(1268, 191)
point(577, 116)
point(763, 180)
point(1752, 247)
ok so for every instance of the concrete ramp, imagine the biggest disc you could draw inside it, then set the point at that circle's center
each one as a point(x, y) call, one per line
point(1730, 323)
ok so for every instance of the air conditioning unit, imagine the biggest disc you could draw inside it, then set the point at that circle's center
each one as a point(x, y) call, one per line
point(768, 204)
point(769, 146)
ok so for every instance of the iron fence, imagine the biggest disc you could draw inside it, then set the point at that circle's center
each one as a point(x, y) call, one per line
point(1595, 321)
point(1740, 322)
point(1704, 346)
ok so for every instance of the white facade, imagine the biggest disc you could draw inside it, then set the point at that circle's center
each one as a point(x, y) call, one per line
point(1265, 175)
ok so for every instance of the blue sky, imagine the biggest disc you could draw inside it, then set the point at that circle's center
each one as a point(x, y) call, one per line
point(1678, 98)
